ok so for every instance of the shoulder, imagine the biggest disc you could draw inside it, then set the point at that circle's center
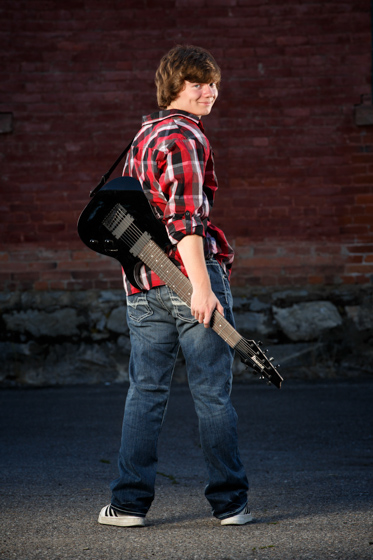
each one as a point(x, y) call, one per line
point(170, 128)
point(191, 131)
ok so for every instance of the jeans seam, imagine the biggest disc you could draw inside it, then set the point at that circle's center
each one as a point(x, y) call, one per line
point(169, 386)
point(222, 277)
point(159, 298)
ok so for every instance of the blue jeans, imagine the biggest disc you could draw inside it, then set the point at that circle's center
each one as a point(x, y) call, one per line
point(159, 324)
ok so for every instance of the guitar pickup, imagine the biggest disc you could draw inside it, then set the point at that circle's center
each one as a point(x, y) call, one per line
point(110, 246)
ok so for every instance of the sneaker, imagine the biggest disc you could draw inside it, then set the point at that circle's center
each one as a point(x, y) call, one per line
point(109, 516)
point(239, 519)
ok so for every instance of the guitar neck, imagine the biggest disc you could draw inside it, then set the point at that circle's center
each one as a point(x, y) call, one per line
point(153, 256)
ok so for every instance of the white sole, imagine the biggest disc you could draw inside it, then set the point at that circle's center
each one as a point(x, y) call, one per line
point(239, 519)
point(120, 520)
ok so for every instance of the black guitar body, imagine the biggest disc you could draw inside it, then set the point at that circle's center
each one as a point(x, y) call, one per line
point(128, 192)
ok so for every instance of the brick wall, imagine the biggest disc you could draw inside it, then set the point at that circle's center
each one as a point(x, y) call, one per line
point(295, 171)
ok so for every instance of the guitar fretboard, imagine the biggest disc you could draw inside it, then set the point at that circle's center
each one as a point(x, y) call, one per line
point(153, 256)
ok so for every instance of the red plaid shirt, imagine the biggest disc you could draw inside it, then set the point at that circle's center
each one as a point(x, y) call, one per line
point(172, 159)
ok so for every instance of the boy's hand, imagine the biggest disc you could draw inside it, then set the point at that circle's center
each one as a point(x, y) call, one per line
point(203, 301)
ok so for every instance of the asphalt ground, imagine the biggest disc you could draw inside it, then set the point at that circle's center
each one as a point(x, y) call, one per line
point(307, 448)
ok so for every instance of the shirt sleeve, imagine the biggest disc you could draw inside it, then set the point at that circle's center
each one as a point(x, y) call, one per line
point(184, 203)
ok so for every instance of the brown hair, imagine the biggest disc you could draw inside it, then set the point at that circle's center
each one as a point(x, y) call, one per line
point(184, 62)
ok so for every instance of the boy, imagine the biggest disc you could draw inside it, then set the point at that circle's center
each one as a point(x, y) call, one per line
point(172, 159)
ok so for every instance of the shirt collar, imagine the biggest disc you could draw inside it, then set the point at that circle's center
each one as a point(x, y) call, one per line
point(165, 114)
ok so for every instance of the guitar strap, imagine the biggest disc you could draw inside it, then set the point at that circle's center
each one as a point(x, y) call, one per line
point(105, 177)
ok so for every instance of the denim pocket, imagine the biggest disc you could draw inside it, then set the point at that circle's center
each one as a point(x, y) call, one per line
point(181, 310)
point(138, 307)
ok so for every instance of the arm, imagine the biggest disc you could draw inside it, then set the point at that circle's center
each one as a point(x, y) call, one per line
point(204, 301)
point(184, 206)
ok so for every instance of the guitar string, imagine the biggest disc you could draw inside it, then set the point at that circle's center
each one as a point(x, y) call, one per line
point(132, 234)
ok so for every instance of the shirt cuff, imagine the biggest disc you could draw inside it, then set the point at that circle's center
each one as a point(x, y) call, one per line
point(182, 225)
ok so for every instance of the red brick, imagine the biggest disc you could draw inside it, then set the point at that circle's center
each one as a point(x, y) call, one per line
point(355, 259)
point(315, 279)
point(364, 198)
point(360, 249)
point(359, 269)
point(348, 279)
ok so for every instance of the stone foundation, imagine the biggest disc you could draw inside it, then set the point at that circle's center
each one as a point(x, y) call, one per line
point(63, 338)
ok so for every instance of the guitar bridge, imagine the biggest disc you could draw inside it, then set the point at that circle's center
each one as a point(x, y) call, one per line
point(121, 224)
point(118, 221)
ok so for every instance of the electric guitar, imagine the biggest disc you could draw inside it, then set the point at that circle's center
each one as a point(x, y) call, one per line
point(119, 222)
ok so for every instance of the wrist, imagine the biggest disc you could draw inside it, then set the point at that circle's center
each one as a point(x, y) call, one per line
point(201, 282)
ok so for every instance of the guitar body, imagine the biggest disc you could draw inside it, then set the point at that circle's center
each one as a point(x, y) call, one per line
point(127, 191)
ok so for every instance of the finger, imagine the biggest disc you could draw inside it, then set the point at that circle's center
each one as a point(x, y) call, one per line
point(206, 320)
point(195, 314)
point(220, 308)
point(198, 316)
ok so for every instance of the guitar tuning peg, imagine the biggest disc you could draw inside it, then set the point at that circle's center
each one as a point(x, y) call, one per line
point(271, 359)
point(260, 343)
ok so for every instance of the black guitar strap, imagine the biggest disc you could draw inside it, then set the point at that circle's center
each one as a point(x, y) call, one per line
point(105, 177)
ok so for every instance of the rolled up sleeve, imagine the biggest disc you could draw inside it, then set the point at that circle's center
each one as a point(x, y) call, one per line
point(185, 203)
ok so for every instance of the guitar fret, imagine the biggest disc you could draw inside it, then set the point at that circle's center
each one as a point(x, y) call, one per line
point(224, 329)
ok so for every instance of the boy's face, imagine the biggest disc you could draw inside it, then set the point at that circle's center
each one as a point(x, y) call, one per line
point(195, 98)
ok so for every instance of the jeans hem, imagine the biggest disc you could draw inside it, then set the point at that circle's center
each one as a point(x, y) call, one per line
point(231, 513)
point(127, 512)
